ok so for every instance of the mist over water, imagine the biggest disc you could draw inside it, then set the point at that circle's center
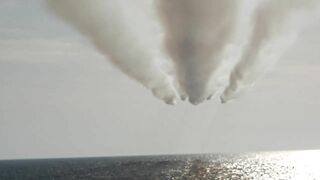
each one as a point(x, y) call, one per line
point(189, 48)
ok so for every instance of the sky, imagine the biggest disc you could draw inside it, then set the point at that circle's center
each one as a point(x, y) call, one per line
point(60, 98)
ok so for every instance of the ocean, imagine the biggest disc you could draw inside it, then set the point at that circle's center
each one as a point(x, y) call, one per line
point(268, 165)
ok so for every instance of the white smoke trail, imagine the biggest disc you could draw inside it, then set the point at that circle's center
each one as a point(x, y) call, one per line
point(125, 31)
point(216, 46)
point(276, 25)
point(197, 33)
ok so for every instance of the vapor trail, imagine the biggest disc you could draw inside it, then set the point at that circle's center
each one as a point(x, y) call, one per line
point(128, 34)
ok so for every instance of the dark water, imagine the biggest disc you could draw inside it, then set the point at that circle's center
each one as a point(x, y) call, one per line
point(302, 165)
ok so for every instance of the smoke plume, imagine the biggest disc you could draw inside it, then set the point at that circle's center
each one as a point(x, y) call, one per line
point(128, 34)
point(275, 26)
point(195, 49)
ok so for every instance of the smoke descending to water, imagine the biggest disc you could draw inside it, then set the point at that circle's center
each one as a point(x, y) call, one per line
point(189, 48)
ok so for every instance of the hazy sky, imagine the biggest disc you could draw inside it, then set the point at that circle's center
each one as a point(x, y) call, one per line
point(60, 98)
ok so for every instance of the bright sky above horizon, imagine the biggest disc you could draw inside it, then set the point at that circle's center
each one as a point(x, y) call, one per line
point(61, 98)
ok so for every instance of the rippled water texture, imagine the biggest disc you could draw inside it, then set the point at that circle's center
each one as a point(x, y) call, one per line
point(302, 165)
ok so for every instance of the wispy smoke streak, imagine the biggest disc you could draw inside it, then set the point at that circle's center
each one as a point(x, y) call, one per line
point(126, 32)
point(195, 49)
point(276, 25)
point(197, 32)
